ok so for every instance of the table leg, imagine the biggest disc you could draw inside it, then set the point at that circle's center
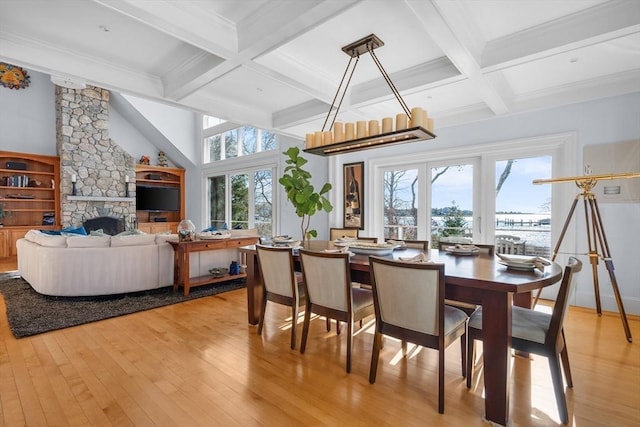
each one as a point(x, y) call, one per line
point(496, 338)
point(254, 289)
point(177, 269)
point(186, 270)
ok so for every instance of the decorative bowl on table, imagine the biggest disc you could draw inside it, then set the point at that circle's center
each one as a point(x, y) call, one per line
point(460, 249)
point(368, 248)
point(281, 239)
point(219, 271)
point(523, 262)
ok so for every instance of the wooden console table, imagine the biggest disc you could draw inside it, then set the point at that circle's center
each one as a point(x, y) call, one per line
point(181, 251)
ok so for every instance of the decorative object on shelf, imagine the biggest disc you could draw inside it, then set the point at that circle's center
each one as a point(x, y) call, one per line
point(162, 159)
point(49, 218)
point(13, 77)
point(353, 179)
point(218, 272)
point(186, 231)
point(144, 160)
point(73, 185)
point(411, 125)
point(234, 268)
point(300, 192)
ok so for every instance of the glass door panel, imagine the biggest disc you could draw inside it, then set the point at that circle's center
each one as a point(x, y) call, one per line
point(523, 210)
point(263, 201)
point(451, 204)
point(400, 211)
point(240, 201)
point(217, 201)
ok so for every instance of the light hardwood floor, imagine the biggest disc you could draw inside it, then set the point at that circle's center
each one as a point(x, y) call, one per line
point(200, 363)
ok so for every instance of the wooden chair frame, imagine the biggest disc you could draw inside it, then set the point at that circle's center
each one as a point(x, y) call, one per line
point(438, 342)
point(350, 315)
point(554, 346)
point(297, 297)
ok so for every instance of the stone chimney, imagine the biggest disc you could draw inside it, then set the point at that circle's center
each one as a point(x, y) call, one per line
point(86, 151)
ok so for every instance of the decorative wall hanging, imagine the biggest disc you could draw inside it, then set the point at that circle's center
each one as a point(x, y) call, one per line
point(354, 195)
point(13, 77)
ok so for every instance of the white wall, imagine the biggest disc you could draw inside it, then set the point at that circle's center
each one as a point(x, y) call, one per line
point(127, 136)
point(28, 117)
point(289, 221)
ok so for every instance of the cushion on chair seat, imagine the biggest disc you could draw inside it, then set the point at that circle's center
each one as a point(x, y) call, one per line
point(453, 318)
point(530, 325)
point(361, 298)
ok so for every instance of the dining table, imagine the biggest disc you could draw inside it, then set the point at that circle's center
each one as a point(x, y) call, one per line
point(476, 278)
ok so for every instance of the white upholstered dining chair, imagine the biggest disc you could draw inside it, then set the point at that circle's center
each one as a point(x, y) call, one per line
point(327, 282)
point(538, 333)
point(282, 284)
point(409, 305)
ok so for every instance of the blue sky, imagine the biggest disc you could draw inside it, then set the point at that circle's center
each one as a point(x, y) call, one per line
point(518, 194)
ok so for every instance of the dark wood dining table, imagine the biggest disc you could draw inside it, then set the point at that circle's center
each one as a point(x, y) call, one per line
point(479, 279)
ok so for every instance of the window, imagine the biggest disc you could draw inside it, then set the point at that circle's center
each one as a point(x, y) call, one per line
point(523, 210)
point(242, 200)
point(223, 140)
point(475, 193)
point(452, 191)
point(400, 209)
point(210, 121)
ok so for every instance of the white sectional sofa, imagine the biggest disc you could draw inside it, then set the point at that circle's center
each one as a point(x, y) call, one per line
point(60, 265)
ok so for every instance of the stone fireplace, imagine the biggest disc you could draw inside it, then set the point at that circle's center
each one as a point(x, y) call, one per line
point(100, 166)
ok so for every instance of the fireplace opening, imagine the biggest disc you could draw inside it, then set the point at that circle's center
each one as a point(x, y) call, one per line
point(110, 225)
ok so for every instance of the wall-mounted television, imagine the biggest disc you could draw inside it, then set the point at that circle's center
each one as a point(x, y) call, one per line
point(149, 198)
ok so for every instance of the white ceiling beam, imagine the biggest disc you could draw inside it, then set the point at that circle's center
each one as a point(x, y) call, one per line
point(597, 24)
point(301, 113)
point(430, 74)
point(461, 55)
point(276, 23)
point(52, 59)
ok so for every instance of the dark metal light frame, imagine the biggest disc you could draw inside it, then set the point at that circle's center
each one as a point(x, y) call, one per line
point(417, 133)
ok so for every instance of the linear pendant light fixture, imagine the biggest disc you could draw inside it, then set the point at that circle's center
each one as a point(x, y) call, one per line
point(410, 126)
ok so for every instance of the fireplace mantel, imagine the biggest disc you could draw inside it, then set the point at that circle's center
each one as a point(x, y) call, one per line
point(101, 199)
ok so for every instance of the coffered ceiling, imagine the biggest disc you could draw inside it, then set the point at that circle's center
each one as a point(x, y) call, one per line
point(276, 64)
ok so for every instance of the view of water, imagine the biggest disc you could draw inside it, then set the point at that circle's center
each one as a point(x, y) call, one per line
point(535, 229)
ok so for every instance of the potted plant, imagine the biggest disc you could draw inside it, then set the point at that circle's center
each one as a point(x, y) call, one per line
point(301, 193)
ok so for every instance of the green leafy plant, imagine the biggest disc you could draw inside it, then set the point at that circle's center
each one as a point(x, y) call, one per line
point(301, 193)
point(453, 221)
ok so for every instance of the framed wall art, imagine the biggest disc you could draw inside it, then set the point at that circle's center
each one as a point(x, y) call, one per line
point(353, 178)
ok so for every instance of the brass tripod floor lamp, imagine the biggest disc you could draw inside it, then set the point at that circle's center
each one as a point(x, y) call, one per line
point(596, 239)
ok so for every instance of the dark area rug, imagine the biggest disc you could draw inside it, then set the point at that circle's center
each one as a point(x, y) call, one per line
point(30, 313)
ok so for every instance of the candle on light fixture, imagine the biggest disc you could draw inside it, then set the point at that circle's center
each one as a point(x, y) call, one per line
point(73, 178)
point(126, 178)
